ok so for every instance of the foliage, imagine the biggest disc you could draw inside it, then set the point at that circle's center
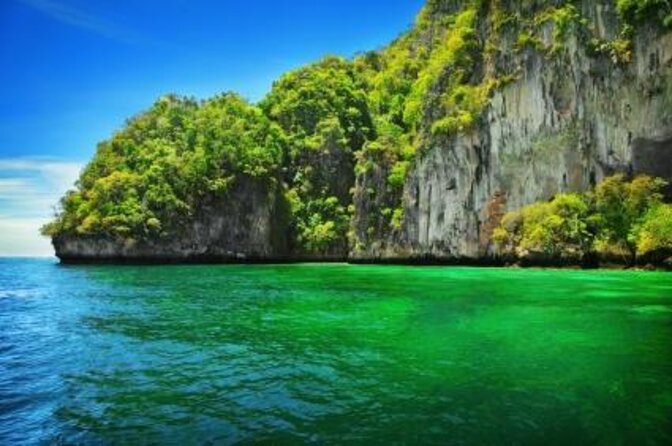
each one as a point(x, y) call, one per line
point(636, 11)
point(654, 234)
point(328, 90)
point(619, 50)
point(324, 225)
point(397, 218)
point(557, 228)
point(619, 215)
point(526, 38)
point(151, 176)
point(453, 53)
point(632, 14)
point(397, 177)
point(324, 110)
point(620, 205)
point(563, 18)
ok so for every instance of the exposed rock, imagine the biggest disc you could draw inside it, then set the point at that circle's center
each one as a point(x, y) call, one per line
point(246, 225)
point(568, 121)
point(562, 123)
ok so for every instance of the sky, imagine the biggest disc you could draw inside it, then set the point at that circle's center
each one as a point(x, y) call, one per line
point(72, 72)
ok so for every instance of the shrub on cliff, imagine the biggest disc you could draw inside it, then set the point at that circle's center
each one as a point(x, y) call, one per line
point(619, 207)
point(637, 11)
point(153, 175)
point(556, 229)
point(323, 109)
point(654, 234)
point(619, 217)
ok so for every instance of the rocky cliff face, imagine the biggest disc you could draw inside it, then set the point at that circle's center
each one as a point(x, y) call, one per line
point(573, 95)
point(247, 225)
point(567, 120)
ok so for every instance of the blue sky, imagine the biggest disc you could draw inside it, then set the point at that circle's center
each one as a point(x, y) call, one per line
point(74, 70)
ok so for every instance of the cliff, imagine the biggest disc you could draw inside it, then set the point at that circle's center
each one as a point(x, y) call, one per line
point(414, 152)
point(569, 116)
point(247, 225)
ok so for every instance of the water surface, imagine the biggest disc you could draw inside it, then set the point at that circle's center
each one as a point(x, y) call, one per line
point(333, 354)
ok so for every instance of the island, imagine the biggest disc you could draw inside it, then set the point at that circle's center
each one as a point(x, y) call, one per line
point(491, 132)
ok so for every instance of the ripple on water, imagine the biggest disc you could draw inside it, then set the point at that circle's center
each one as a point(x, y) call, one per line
point(332, 354)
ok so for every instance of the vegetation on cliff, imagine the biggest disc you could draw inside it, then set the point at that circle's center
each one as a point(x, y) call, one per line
point(324, 112)
point(619, 219)
point(153, 175)
point(637, 11)
point(339, 137)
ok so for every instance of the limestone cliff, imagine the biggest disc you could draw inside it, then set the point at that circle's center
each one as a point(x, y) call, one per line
point(412, 153)
point(568, 118)
point(246, 226)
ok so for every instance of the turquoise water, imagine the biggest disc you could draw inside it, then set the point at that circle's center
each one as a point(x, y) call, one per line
point(333, 354)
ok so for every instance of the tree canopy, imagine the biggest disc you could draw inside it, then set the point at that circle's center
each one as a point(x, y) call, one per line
point(620, 217)
point(151, 176)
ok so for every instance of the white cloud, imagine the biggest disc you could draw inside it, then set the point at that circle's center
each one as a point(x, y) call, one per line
point(60, 174)
point(30, 189)
point(21, 237)
point(73, 16)
point(13, 185)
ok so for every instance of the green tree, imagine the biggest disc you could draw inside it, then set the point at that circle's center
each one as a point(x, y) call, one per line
point(637, 11)
point(556, 229)
point(148, 180)
point(620, 205)
point(620, 215)
point(327, 90)
point(654, 234)
point(323, 109)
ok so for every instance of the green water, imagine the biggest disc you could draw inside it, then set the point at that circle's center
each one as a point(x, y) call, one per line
point(333, 354)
